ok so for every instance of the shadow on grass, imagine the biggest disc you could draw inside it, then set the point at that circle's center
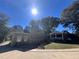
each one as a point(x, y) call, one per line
point(23, 48)
point(66, 42)
point(8, 48)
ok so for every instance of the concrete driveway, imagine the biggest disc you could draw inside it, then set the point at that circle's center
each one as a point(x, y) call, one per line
point(41, 54)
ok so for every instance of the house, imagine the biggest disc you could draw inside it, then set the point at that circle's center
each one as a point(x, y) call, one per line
point(26, 38)
point(57, 36)
point(64, 36)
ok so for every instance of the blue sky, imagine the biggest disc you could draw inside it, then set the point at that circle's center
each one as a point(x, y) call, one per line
point(19, 11)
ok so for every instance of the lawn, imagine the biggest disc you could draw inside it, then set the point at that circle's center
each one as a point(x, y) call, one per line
point(60, 46)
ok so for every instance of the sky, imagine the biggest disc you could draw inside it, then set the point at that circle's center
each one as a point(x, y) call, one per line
point(19, 11)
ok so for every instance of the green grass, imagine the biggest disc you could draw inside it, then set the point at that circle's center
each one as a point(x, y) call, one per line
point(61, 46)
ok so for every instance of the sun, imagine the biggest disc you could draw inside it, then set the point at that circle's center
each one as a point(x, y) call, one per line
point(34, 11)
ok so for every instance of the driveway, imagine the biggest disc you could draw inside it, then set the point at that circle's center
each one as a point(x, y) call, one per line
point(42, 54)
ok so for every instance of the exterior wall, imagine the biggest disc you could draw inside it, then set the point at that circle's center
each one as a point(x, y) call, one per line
point(57, 36)
point(27, 38)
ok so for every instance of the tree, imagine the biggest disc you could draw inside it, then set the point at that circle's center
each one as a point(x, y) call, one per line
point(70, 17)
point(3, 26)
point(17, 28)
point(46, 24)
point(34, 25)
point(49, 23)
point(27, 29)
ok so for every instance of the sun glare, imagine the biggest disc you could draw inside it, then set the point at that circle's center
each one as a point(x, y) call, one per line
point(34, 11)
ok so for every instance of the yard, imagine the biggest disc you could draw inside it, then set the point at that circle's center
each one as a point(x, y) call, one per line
point(52, 45)
point(61, 46)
